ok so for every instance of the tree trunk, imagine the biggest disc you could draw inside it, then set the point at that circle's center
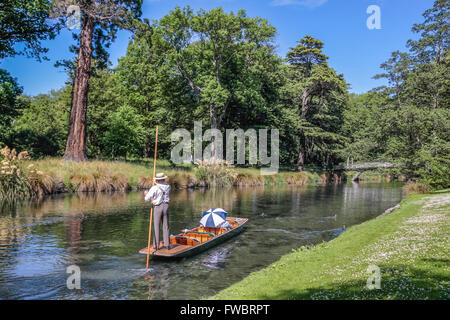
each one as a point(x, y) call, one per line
point(76, 140)
point(302, 144)
point(214, 125)
point(301, 153)
point(301, 160)
point(305, 97)
point(216, 121)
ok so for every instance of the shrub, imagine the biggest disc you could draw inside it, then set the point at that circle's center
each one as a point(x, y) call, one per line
point(182, 179)
point(437, 173)
point(201, 173)
point(98, 181)
point(145, 182)
point(125, 133)
point(297, 178)
point(216, 173)
point(416, 188)
point(249, 179)
point(119, 182)
point(13, 182)
point(40, 182)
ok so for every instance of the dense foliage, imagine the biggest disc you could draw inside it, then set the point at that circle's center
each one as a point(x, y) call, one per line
point(220, 68)
point(10, 103)
point(25, 22)
point(408, 122)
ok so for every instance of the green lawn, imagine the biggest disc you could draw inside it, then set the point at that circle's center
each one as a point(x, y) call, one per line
point(411, 247)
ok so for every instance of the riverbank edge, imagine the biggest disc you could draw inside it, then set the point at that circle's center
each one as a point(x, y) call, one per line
point(338, 269)
point(52, 176)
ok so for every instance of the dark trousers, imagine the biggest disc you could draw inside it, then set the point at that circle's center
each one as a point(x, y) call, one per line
point(161, 211)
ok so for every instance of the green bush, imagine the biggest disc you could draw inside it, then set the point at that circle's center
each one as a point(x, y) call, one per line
point(125, 134)
point(436, 173)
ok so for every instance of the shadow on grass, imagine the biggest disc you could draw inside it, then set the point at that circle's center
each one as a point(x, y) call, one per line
point(398, 282)
point(439, 262)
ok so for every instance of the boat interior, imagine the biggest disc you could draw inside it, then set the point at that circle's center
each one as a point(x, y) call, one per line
point(189, 238)
point(200, 234)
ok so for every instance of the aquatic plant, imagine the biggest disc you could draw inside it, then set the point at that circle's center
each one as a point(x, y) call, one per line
point(120, 182)
point(40, 182)
point(296, 178)
point(99, 181)
point(13, 182)
point(145, 182)
point(182, 179)
point(216, 173)
point(248, 179)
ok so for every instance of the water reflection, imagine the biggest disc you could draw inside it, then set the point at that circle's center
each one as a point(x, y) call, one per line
point(216, 259)
point(102, 234)
point(73, 226)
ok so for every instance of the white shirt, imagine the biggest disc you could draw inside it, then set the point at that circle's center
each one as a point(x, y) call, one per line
point(159, 193)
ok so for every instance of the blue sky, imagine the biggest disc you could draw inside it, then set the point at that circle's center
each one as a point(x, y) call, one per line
point(354, 50)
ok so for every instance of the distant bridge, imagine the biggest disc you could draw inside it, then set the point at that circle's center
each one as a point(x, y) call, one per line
point(361, 167)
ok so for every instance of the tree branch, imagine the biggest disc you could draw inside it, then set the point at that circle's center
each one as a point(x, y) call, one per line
point(191, 83)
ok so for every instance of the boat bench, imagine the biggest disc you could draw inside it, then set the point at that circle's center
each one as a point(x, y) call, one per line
point(215, 231)
point(202, 236)
point(184, 240)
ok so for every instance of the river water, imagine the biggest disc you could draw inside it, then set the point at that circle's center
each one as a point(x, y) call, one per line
point(102, 234)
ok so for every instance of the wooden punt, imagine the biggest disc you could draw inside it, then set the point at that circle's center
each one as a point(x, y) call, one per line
point(194, 241)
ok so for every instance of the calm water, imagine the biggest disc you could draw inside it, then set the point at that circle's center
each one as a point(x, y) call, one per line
point(102, 234)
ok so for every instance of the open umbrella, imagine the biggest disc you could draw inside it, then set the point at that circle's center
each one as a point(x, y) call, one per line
point(213, 217)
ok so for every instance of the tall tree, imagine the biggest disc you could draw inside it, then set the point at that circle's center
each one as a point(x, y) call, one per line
point(430, 52)
point(306, 54)
point(396, 71)
point(319, 94)
point(215, 53)
point(101, 18)
point(104, 100)
point(152, 86)
point(408, 123)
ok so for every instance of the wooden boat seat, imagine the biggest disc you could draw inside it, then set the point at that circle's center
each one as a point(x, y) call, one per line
point(199, 232)
point(233, 223)
point(202, 236)
point(190, 241)
point(215, 231)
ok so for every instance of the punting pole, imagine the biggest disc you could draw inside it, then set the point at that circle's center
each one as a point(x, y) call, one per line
point(151, 209)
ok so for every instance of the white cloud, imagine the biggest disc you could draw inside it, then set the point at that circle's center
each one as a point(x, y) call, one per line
point(306, 3)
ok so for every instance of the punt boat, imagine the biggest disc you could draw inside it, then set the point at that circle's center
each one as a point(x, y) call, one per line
point(193, 241)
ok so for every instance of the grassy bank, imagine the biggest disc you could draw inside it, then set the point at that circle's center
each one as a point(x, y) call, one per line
point(92, 175)
point(52, 175)
point(410, 246)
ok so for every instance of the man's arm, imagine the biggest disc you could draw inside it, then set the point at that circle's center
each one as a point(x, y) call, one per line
point(149, 195)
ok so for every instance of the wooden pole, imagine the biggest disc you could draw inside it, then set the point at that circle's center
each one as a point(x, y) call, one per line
point(151, 209)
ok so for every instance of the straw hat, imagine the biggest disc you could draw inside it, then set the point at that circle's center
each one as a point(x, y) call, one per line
point(160, 176)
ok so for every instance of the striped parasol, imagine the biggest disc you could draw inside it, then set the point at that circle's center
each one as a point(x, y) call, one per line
point(213, 217)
